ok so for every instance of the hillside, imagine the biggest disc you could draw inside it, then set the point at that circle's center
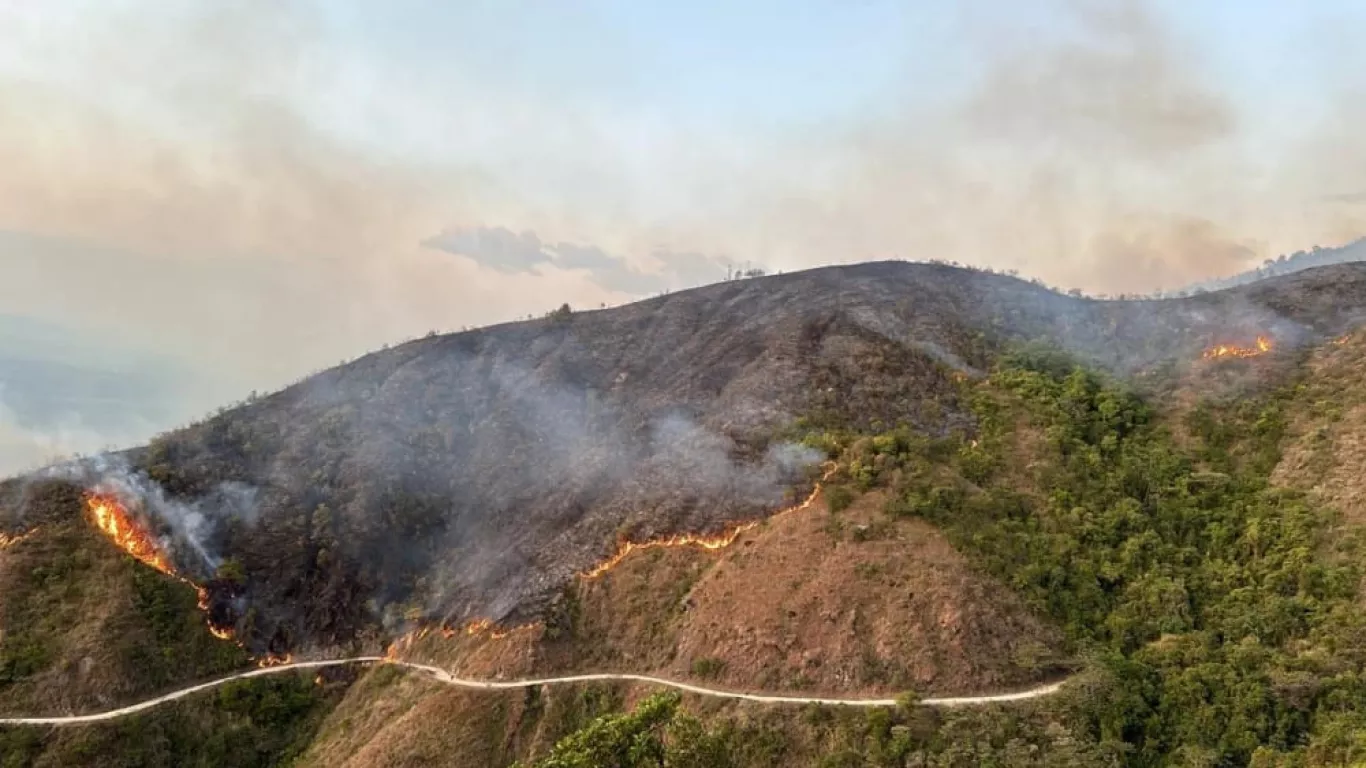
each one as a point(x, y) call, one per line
point(85, 627)
point(471, 475)
point(984, 514)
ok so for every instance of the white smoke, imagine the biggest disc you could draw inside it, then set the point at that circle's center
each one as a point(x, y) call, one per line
point(191, 523)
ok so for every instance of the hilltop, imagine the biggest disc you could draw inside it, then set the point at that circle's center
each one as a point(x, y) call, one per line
point(1286, 264)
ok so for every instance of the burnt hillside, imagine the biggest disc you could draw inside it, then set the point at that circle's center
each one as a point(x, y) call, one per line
point(472, 474)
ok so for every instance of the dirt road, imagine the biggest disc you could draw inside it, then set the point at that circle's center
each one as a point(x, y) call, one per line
point(443, 676)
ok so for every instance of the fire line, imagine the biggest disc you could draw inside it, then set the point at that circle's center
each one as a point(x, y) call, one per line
point(471, 628)
point(1261, 346)
point(711, 543)
point(8, 540)
point(487, 627)
point(113, 520)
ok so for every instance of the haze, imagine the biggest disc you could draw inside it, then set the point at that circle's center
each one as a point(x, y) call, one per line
point(200, 200)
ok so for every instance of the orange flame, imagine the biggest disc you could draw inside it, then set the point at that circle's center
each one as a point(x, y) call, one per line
point(8, 540)
point(1262, 346)
point(222, 633)
point(475, 627)
point(711, 543)
point(1343, 339)
point(478, 625)
point(114, 521)
point(472, 628)
point(401, 643)
point(276, 661)
point(719, 541)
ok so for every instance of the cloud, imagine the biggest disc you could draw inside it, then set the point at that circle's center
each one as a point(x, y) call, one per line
point(1063, 154)
point(494, 247)
point(167, 179)
point(503, 250)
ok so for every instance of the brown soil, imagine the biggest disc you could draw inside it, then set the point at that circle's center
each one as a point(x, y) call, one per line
point(848, 603)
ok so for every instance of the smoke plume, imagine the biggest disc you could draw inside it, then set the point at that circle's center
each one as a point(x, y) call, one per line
point(191, 524)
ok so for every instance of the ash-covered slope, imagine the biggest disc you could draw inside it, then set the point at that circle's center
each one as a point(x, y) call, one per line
point(473, 474)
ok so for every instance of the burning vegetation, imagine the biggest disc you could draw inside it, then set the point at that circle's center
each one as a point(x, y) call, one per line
point(473, 628)
point(112, 519)
point(488, 628)
point(718, 541)
point(714, 542)
point(8, 540)
point(1261, 346)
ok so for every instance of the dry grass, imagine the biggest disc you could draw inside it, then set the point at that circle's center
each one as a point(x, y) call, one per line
point(390, 718)
point(853, 603)
point(1326, 445)
point(82, 671)
point(394, 718)
point(83, 626)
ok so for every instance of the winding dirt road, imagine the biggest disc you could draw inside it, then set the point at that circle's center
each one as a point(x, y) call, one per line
point(443, 676)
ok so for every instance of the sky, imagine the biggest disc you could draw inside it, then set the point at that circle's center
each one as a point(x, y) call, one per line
point(252, 191)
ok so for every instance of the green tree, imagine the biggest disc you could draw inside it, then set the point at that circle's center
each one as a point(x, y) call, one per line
point(630, 740)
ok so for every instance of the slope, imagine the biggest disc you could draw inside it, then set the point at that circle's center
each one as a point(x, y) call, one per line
point(472, 475)
point(475, 475)
point(83, 626)
point(1219, 615)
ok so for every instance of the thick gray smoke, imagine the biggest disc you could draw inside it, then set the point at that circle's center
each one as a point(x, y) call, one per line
point(705, 461)
point(529, 472)
point(539, 466)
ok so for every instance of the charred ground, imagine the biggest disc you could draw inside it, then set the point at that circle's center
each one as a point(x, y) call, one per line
point(474, 474)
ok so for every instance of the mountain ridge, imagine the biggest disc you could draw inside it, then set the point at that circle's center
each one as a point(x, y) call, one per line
point(501, 461)
point(998, 510)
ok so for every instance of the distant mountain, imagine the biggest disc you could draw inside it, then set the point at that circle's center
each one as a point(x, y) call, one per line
point(1285, 265)
point(63, 391)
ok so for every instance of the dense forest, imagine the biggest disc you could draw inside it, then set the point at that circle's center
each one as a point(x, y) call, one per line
point(1218, 623)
